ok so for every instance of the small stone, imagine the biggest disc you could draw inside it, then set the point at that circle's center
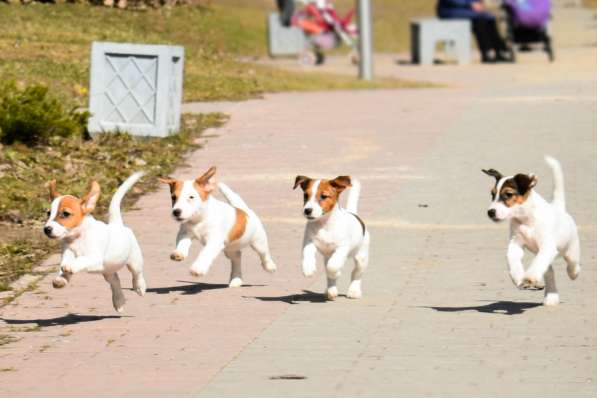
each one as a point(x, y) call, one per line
point(139, 162)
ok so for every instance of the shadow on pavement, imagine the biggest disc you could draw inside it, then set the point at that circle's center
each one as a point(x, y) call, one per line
point(70, 319)
point(192, 288)
point(306, 296)
point(498, 307)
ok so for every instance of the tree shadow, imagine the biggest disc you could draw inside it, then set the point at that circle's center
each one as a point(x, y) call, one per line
point(191, 288)
point(69, 319)
point(497, 307)
point(306, 296)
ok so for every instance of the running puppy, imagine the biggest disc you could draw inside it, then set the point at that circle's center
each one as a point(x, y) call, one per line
point(220, 226)
point(335, 232)
point(543, 228)
point(91, 245)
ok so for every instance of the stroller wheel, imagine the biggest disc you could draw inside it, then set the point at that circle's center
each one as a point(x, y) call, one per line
point(308, 57)
point(354, 57)
point(319, 58)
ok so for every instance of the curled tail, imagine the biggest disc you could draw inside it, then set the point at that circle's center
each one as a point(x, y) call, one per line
point(114, 210)
point(232, 197)
point(558, 182)
point(352, 203)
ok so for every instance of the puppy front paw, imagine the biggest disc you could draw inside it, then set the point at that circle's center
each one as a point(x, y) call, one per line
point(66, 269)
point(354, 290)
point(197, 272)
point(59, 282)
point(516, 279)
point(177, 256)
point(332, 293)
point(309, 268)
point(532, 283)
point(235, 282)
point(551, 299)
point(270, 266)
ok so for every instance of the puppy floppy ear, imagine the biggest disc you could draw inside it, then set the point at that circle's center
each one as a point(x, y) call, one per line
point(208, 180)
point(493, 173)
point(170, 181)
point(340, 183)
point(303, 181)
point(89, 201)
point(525, 183)
point(53, 192)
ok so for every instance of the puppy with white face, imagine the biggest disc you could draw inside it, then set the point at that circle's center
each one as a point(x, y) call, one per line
point(337, 233)
point(545, 229)
point(91, 245)
point(219, 226)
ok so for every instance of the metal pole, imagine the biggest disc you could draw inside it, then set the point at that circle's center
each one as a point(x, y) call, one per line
point(365, 40)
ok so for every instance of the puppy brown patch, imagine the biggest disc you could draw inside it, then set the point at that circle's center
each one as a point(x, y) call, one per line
point(70, 213)
point(306, 183)
point(240, 224)
point(175, 188)
point(327, 195)
point(203, 194)
point(514, 192)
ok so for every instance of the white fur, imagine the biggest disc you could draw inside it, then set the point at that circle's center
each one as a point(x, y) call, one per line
point(96, 247)
point(337, 235)
point(210, 222)
point(545, 229)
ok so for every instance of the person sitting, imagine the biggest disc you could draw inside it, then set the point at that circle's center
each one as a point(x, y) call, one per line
point(484, 27)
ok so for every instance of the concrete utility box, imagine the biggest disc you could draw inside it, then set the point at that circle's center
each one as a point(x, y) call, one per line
point(135, 88)
point(427, 32)
point(282, 40)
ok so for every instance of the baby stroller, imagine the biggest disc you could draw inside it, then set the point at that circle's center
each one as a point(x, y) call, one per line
point(527, 24)
point(324, 28)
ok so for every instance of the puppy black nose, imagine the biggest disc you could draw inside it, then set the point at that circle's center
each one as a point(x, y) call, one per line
point(48, 230)
point(491, 213)
point(308, 211)
point(176, 212)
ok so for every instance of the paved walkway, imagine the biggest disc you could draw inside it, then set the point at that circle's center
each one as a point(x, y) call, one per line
point(439, 315)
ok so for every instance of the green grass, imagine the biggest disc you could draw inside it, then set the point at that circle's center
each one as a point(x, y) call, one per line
point(50, 44)
point(74, 162)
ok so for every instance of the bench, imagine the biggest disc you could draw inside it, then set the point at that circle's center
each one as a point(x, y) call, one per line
point(282, 40)
point(455, 34)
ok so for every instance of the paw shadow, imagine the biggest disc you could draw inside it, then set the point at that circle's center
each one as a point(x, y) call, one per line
point(191, 288)
point(497, 307)
point(70, 319)
point(307, 296)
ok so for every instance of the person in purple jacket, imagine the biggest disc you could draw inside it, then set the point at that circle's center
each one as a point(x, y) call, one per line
point(484, 26)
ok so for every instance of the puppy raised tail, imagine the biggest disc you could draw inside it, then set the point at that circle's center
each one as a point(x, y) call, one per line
point(559, 198)
point(354, 192)
point(114, 211)
point(232, 197)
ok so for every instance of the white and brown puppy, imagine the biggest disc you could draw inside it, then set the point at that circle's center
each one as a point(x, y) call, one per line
point(543, 228)
point(94, 246)
point(337, 233)
point(219, 226)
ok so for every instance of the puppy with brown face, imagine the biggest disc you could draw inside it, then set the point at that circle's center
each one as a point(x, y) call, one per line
point(91, 245)
point(221, 226)
point(337, 233)
point(545, 229)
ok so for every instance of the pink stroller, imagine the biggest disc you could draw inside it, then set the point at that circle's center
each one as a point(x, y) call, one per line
point(325, 29)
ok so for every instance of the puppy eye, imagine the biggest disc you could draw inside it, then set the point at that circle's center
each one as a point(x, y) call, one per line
point(48, 213)
point(173, 198)
point(65, 214)
point(324, 197)
point(305, 197)
point(508, 195)
point(191, 197)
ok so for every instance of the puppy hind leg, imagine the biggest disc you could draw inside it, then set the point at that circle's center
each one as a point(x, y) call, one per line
point(361, 260)
point(260, 245)
point(572, 258)
point(551, 292)
point(236, 275)
point(118, 299)
point(135, 266)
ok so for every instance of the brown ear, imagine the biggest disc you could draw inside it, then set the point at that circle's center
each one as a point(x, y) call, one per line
point(340, 183)
point(525, 182)
point(303, 181)
point(208, 180)
point(493, 173)
point(53, 192)
point(89, 201)
point(170, 181)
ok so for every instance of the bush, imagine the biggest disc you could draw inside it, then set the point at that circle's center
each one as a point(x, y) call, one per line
point(33, 116)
